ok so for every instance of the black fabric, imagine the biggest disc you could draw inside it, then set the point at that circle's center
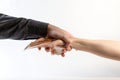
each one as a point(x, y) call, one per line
point(21, 28)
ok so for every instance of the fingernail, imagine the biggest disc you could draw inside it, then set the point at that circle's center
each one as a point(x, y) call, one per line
point(39, 48)
point(63, 55)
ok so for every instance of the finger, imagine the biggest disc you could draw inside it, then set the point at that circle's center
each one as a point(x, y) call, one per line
point(59, 43)
point(43, 45)
point(68, 47)
point(63, 55)
point(47, 49)
point(40, 39)
point(53, 52)
point(39, 48)
point(55, 44)
point(68, 43)
point(52, 46)
point(64, 50)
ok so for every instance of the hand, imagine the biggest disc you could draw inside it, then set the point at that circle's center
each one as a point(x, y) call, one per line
point(57, 33)
point(51, 46)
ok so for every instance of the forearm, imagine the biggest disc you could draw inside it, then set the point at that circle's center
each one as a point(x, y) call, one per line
point(104, 48)
point(21, 28)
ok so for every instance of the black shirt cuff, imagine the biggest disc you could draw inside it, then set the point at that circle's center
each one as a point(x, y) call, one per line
point(36, 29)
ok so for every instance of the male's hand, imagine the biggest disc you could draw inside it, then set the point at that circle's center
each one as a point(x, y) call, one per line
point(57, 33)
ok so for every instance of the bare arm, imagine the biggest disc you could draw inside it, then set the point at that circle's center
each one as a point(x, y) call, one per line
point(104, 48)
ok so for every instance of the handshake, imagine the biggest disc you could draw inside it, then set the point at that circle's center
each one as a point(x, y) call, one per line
point(105, 48)
point(54, 46)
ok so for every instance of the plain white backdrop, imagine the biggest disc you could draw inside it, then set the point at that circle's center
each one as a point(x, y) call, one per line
point(91, 19)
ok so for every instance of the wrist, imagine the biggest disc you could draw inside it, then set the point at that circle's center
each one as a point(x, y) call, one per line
point(49, 27)
point(74, 42)
point(79, 44)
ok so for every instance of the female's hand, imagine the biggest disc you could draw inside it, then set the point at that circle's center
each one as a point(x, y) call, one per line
point(52, 46)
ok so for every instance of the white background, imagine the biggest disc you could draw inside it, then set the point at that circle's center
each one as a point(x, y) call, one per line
point(91, 19)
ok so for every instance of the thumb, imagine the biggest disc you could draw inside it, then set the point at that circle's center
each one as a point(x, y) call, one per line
point(67, 43)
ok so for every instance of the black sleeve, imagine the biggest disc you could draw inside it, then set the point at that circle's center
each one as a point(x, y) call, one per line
point(21, 28)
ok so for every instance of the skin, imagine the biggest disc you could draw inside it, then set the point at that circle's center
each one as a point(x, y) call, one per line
point(105, 48)
point(58, 33)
